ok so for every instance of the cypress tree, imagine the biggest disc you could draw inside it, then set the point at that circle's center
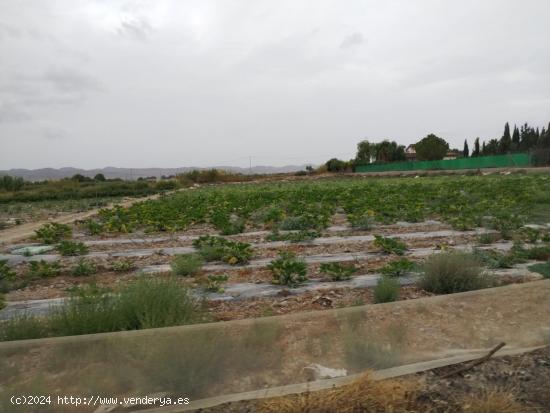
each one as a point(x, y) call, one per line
point(476, 151)
point(515, 139)
point(466, 150)
point(505, 143)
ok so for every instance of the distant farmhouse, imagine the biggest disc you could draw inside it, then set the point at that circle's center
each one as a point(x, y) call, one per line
point(410, 153)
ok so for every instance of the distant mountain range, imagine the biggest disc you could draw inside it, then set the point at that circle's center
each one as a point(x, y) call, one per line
point(135, 173)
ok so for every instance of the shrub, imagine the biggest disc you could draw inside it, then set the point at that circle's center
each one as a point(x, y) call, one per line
point(22, 327)
point(337, 271)
point(386, 290)
point(83, 268)
point(52, 233)
point(143, 303)
point(288, 270)
point(453, 272)
point(187, 264)
point(398, 268)
point(390, 245)
point(71, 248)
point(43, 269)
point(123, 265)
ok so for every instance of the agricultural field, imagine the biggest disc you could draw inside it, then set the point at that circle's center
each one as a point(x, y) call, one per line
point(257, 250)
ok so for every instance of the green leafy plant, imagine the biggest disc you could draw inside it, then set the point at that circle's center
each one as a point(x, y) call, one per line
point(386, 290)
point(123, 265)
point(213, 248)
point(530, 235)
point(93, 227)
point(72, 248)
point(187, 264)
point(398, 268)
point(453, 272)
point(390, 245)
point(541, 268)
point(83, 268)
point(297, 223)
point(288, 270)
point(337, 271)
point(53, 232)
point(214, 283)
point(6, 273)
point(495, 259)
point(43, 269)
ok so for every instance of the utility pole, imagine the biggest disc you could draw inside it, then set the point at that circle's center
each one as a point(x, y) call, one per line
point(250, 165)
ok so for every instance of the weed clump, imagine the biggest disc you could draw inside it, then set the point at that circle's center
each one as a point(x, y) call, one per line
point(187, 264)
point(453, 272)
point(288, 270)
point(386, 290)
point(53, 232)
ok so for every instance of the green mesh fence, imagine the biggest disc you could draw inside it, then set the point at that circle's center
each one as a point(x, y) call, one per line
point(496, 161)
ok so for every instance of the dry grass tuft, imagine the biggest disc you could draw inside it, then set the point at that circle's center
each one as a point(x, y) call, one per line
point(495, 401)
point(364, 395)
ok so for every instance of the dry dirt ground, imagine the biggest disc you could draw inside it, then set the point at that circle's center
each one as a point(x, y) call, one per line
point(509, 384)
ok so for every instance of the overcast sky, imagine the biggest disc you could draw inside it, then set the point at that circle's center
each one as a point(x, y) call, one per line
point(198, 83)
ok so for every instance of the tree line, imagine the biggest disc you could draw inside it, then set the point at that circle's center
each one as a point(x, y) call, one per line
point(432, 147)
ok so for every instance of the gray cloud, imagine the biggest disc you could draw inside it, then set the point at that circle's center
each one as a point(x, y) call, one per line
point(353, 39)
point(137, 29)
